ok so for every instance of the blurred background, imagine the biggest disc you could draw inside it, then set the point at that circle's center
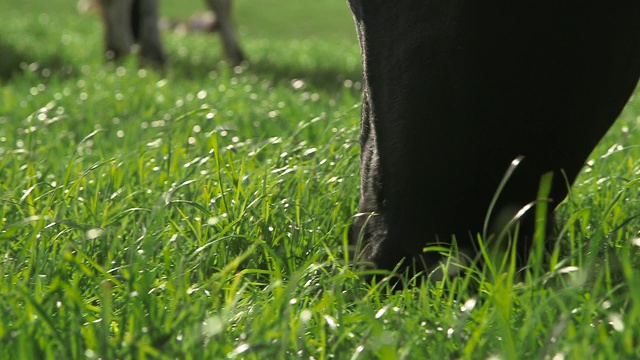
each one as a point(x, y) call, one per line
point(48, 31)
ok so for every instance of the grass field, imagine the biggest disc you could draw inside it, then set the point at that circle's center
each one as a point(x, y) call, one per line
point(201, 213)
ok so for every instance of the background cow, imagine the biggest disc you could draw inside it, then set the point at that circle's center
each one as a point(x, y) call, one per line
point(455, 90)
point(129, 22)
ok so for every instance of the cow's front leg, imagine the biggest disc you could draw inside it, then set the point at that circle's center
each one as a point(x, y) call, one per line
point(222, 9)
point(116, 16)
point(147, 31)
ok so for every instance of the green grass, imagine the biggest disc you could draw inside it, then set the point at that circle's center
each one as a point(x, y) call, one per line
point(202, 213)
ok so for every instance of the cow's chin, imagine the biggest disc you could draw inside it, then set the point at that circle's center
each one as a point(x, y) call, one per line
point(382, 258)
point(367, 233)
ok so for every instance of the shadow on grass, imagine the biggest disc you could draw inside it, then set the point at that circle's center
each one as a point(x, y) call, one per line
point(323, 78)
point(11, 59)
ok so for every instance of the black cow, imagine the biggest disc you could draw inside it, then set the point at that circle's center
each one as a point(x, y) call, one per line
point(129, 22)
point(454, 90)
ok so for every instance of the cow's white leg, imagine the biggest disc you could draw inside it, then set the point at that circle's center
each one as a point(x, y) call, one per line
point(232, 50)
point(116, 15)
point(148, 31)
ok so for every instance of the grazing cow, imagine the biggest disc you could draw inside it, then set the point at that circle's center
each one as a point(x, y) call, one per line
point(454, 90)
point(129, 22)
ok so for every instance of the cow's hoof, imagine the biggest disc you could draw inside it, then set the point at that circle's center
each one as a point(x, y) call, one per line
point(236, 57)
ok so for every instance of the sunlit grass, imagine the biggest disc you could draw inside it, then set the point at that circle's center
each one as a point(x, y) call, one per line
point(202, 213)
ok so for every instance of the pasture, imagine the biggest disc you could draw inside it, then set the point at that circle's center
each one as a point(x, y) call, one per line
point(202, 211)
